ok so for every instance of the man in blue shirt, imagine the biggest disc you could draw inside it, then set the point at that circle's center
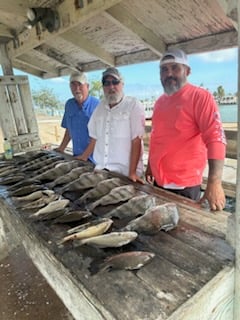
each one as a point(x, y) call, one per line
point(78, 111)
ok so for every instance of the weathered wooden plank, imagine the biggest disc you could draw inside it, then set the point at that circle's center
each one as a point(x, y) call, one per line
point(213, 301)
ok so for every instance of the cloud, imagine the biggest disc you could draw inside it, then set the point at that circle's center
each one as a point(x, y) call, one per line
point(58, 80)
point(227, 55)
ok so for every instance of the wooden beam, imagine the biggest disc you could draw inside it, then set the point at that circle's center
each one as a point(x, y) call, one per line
point(69, 17)
point(20, 65)
point(125, 19)
point(58, 56)
point(89, 46)
point(36, 63)
point(210, 43)
point(229, 8)
point(19, 8)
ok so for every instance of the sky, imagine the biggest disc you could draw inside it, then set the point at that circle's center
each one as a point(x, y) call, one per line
point(210, 69)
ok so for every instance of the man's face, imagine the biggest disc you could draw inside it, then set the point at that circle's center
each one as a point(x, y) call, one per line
point(113, 89)
point(173, 76)
point(79, 91)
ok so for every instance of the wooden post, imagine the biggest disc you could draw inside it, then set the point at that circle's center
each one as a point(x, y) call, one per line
point(236, 310)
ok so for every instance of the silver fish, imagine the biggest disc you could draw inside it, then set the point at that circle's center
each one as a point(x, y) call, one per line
point(72, 175)
point(163, 217)
point(134, 207)
point(109, 240)
point(87, 230)
point(116, 195)
point(101, 189)
point(73, 216)
point(56, 206)
point(132, 260)
point(85, 181)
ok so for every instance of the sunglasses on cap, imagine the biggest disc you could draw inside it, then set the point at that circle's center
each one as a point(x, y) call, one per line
point(107, 83)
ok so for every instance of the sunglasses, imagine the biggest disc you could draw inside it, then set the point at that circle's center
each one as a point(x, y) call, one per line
point(107, 83)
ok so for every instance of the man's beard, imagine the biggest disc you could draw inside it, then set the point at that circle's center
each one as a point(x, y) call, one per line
point(172, 85)
point(113, 97)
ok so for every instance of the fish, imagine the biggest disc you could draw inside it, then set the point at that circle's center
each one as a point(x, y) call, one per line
point(40, 163)
point(87, 230)
point(116, 195)
point(59, 170)
point(25, 190)
point(131, 260)
point(39, 203)
point(11, 179)
point(72, 216)
point(51, 210)
point(72, 175)
point(162, 217)
point(33, 196)
point(85, 181)
point(101, 189)
point(10, 171)
point(134, 207)
point(109, 240)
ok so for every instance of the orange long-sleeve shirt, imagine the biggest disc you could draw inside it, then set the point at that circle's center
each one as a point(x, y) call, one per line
point(186, 131)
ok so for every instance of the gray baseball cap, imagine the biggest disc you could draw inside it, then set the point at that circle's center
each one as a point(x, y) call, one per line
point(112, 72)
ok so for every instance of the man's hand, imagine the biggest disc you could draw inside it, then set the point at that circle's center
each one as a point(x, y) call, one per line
point(135, 178)
point(214, 195)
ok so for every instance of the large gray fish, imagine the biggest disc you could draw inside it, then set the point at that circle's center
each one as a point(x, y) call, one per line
point(132, 260)
point(73, 216)
point(51, 211)
point(85, 181)
point(163, 217)
point(116, 195)
point(109, 240)
point(58, 170)
point(87, 230)
point(101, 189)
point(72, 175)
point(133, 208)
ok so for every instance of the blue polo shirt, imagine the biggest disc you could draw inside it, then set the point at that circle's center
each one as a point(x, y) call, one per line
point(75, 119)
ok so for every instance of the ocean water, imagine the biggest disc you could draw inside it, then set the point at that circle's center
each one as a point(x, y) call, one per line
point(228, 112)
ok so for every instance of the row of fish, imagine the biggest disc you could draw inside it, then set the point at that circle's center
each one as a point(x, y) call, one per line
point(99, 189)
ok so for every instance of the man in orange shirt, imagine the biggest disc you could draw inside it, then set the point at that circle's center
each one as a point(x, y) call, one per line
point(186, 132)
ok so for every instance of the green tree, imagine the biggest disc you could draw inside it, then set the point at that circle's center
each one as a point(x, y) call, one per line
point(45, 98)
point(220, 92)
point(96, 89)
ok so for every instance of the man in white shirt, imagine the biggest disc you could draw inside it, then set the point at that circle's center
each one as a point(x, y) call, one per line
point(117, 128)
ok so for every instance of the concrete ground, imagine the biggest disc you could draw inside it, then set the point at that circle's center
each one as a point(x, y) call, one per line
point(25, 294)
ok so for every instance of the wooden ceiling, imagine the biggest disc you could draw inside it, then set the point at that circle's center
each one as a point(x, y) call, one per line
point(90, 35)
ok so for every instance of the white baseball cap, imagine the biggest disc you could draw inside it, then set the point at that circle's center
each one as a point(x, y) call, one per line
point(79, 77)
point(174, 55)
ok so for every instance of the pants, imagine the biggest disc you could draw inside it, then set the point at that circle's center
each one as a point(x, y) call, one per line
point(193, 193)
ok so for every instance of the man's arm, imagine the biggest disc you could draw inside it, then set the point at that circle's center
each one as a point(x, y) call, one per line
point(65, 141)
point(214, 192)
point(88, 151)
point(136, 149)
